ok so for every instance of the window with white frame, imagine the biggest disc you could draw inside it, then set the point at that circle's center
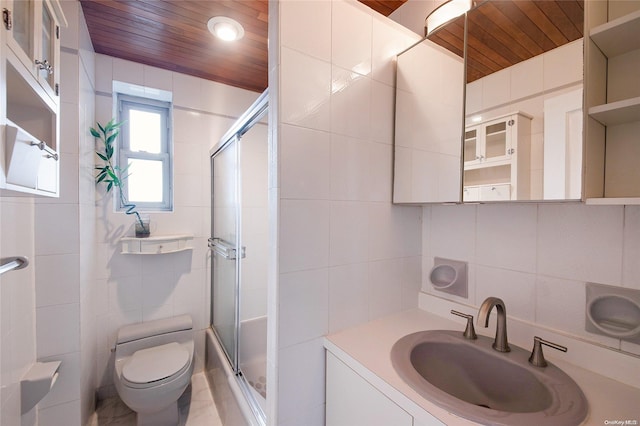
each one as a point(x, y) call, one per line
point(145, 151)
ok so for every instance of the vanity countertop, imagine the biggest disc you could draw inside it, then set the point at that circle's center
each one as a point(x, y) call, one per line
point(366, 350)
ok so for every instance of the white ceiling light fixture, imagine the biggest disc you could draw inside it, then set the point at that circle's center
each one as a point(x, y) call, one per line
point(224, 28)
point(444, 13)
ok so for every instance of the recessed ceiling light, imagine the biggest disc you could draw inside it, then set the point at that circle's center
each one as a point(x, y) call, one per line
point(224, 28)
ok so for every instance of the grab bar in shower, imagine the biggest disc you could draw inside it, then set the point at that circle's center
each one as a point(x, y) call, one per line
point(13, 263)
point(225, 249)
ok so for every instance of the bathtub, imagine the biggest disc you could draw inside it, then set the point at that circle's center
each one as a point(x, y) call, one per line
point(236, 398)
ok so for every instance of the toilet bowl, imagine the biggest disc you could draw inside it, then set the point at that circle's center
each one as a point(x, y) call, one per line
point(153, 367)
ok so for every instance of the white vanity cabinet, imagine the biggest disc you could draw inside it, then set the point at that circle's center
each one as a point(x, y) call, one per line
point(612, 97)
point(29, 95)
point(351, 400)
point(497, 159)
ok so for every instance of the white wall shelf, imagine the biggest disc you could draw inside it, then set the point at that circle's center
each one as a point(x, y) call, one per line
point(161, 244)
point(619, 36)
point(621, 112)
point(612, 101)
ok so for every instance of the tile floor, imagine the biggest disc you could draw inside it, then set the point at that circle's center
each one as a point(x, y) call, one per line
point(196, 408)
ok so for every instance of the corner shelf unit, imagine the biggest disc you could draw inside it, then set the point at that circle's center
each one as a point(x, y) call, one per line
point(612, 99)
point(616, 38)
point(162, 244)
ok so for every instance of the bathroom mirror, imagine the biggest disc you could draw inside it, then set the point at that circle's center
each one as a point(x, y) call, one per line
point(523, 104)
point(429, 123)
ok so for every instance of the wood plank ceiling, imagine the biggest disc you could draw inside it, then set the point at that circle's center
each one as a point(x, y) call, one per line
point(502, 33)
point(173, 35)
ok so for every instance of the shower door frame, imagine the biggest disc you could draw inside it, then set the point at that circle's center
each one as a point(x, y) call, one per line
point(234, 135)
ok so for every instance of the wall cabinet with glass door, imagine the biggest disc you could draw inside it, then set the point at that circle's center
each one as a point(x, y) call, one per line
point(29, 154)
point(497, 159)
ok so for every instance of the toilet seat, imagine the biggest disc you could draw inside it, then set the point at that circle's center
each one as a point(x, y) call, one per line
point(155, 366)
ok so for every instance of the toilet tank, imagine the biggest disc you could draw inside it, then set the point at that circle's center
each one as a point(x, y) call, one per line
point(134, 337)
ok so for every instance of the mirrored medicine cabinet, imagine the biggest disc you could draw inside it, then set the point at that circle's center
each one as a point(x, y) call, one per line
point(495, 116)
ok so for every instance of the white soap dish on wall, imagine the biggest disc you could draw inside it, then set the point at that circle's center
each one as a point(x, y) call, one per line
point(613, 311)
point(449, 276)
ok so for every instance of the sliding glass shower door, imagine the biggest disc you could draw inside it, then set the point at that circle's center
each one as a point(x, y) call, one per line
point(224, 244)
point(239, 247)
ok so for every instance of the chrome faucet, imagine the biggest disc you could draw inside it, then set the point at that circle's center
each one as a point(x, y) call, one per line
point(500, 344)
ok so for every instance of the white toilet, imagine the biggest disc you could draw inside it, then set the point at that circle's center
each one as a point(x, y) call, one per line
point(153, 367)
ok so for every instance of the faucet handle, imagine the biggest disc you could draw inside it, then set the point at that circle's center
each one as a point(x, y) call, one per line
point(469, 332)
point(537, 357)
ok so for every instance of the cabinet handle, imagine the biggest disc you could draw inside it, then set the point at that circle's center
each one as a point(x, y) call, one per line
point(43, 147)
point(6, 18)
point(44, 65)
point(40, 145)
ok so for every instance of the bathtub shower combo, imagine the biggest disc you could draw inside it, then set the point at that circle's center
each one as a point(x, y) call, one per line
point(237, 339)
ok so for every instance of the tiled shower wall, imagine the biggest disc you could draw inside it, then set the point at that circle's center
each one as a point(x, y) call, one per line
point(538, 257)
point(346, 254)
point(130, 288)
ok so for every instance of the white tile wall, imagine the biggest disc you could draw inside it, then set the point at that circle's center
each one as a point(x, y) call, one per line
point(304, 300)
point(537, 257)
point(305, 90)
point(346, 255)
point(301, 16)
point(17, 305)
point(305, 167)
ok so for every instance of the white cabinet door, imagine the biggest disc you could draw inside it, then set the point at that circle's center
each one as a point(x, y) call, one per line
point(33, 35)
point(495, 192)
point(48, 174)
point(352, 401)
point(471, 193)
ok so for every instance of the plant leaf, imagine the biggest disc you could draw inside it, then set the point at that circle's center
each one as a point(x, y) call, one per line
point(111, 138)
point(102, 156)
point(94, 132)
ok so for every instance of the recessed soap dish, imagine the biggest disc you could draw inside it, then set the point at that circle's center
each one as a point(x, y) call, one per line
point(449, 276)
point(613, 311)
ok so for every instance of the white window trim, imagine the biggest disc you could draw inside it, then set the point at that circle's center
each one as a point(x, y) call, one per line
point(124, 102)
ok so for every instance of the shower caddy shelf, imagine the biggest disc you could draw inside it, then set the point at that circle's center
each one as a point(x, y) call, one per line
point(161, 244)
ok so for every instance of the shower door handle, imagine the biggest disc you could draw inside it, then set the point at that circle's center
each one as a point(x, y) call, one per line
point(225, 249)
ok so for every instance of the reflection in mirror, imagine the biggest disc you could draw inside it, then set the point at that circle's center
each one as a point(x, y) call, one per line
point(429, 124)
point(523, 123)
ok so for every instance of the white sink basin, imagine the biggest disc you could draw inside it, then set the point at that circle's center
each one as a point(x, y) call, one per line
point(472, 380)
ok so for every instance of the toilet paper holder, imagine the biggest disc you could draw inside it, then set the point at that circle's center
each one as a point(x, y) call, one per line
point(37, 383)
point(613, 311)
point(449, 276)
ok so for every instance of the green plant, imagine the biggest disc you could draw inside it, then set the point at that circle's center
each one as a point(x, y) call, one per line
point(113, 176)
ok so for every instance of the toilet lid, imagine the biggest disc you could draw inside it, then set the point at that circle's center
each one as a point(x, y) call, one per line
point(156, 363)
